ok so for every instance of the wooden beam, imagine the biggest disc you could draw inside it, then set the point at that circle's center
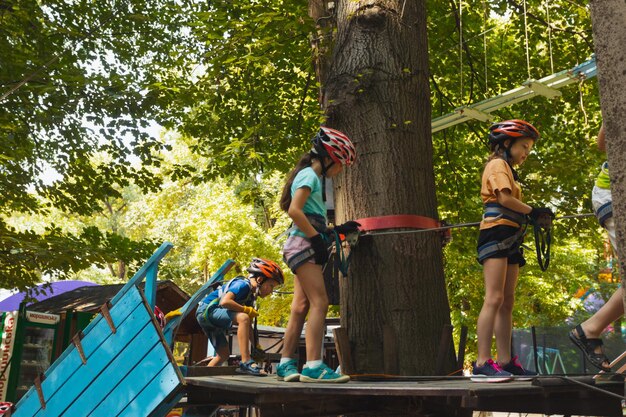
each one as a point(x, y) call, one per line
point(344, 352)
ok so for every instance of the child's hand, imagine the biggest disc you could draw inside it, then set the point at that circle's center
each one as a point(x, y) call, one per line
point(537, 212)
point(252, 313)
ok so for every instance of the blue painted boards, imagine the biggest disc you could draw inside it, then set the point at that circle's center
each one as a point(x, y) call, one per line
point(120, 367)
point(172, 324)
point(125, 371)
point(124, 368)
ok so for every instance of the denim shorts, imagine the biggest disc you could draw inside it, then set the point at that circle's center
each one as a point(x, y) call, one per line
point(215, 322)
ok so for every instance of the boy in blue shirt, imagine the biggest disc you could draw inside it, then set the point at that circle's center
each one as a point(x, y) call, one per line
point(233, 303)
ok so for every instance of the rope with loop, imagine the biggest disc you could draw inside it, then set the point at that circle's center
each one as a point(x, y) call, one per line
point(542, 229)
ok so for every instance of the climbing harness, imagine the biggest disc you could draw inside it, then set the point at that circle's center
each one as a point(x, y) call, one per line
point(604, 212)
point(319, 224)
point(495, 211)
point(510, 244)
point(221, 290)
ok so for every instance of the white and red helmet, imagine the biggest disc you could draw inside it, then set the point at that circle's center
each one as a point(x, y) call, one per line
point(334, 144)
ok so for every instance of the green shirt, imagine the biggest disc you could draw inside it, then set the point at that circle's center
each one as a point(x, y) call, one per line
point(315, 203)
point(603, 180)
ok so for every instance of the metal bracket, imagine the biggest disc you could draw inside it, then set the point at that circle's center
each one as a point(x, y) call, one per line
point(79, 346)
point(542, 89)
point(475, 114)
point(104, 310)
point(37, 384)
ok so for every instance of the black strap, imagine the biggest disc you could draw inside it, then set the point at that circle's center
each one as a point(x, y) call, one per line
point(497, 211)
point(543, 242)
point(489, 248)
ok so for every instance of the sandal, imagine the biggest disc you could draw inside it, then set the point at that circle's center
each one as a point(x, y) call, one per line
point(250, 368)
point(588, 347)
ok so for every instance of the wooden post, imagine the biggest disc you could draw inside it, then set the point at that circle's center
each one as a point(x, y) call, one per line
point(344, 353)
point(462, 342)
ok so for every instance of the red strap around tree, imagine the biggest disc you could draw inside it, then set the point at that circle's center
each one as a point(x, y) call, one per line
point(400, 221)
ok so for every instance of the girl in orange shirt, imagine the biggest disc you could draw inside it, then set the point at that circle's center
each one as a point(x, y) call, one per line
point(501, 235)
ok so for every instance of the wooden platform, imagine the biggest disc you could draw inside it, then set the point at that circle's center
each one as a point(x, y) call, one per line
point(451, 396)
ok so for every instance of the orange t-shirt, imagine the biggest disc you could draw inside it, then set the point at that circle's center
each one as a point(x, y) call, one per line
point(498, 176)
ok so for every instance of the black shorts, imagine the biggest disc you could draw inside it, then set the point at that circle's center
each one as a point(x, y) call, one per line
point(514, 255)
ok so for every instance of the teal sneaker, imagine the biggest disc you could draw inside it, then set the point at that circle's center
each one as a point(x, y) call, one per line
point(288, 371)
point(322, 374)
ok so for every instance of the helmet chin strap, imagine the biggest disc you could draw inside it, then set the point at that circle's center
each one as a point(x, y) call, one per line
point(507, 157)
point(325, 169)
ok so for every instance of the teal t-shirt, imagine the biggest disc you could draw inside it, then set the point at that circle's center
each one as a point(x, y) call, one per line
point(315, 203)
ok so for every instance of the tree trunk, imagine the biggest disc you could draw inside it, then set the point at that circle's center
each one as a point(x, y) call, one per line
point(376, 89)
point(608, 18)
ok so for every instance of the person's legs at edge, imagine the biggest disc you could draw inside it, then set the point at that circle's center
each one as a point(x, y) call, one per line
point(608, 313)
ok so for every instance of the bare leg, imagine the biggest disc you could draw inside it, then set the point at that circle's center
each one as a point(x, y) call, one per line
point(494, 272)
point(221, 355)
point(504, 317)
point(243, 335)
point(312, 282)
point(299, 310)
point(608, 313)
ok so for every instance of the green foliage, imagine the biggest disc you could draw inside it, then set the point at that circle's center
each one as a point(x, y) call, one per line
point(236, 80)
point(27, 255)
point(73, 79)
point(250, 102)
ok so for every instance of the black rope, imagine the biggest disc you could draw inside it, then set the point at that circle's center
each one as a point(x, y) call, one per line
point(543, 241)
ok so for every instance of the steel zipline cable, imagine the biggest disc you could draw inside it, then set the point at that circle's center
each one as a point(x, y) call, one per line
point(459, 226)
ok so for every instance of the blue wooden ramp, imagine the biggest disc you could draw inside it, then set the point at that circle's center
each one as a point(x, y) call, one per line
point(121, 365)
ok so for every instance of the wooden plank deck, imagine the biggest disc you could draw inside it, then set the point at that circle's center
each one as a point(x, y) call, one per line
point(450, 396)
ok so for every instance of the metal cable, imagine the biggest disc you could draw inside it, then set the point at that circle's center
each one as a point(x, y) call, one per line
point(460, 225)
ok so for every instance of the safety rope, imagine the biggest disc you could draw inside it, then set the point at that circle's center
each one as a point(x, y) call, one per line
point(461, 47)
point(526, 40)
point(543, 241)
point(485, 15)
point(549, 35)
point(458, 226)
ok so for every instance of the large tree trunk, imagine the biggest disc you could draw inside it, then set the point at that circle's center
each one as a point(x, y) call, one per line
point(375, 88)
point(609, 37)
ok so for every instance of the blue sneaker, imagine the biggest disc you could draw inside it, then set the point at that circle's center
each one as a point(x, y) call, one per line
point(322, 374)
point(489, 372)
point(250, 368)
point(515, 367)
point(288, 371)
